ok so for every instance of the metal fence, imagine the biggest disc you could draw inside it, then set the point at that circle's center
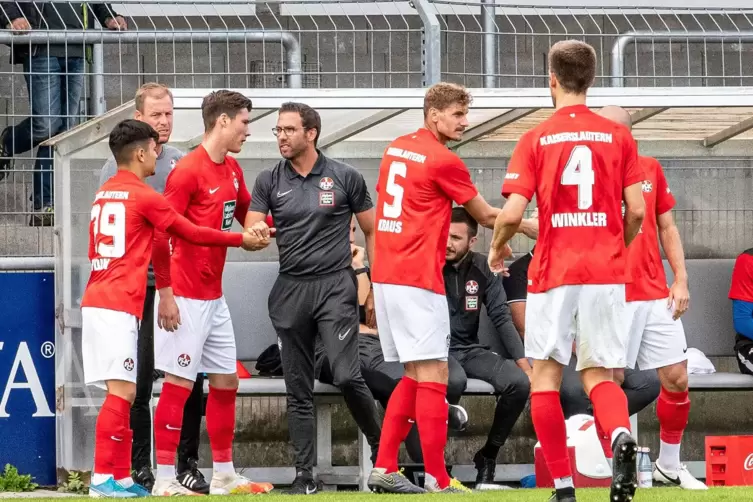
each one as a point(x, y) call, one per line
point(336, 43)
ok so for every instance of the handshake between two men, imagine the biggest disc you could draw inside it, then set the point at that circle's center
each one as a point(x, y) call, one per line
point(257, 236)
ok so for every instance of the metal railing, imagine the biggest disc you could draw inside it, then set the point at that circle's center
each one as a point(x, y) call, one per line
point(345, 43)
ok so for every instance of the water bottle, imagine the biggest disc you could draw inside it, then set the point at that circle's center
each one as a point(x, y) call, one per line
point(644, 468)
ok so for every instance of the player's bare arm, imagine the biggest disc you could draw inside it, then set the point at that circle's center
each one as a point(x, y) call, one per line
point(530, 226)
point(366, 222)
point(669, 237)
point(256, 223)
point(635, 211)
point(481, 211)
point(505, 228)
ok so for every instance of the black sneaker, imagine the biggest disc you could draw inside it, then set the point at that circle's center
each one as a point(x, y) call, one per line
point(144, 477)
point(457, 418)
point(44, 217)
point(563, 495)
point(624, 470)
point(304, 484)
point(486, 470)
point(192, 478)
point(5, 161)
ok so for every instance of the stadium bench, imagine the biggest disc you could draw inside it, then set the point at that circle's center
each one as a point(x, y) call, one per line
point(708, 326)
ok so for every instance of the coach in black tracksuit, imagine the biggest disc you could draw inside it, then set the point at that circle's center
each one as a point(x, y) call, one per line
point(469, 284)
point(312, 199)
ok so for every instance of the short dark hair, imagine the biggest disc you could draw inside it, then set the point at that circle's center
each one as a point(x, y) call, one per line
point(223, 101)
point(461, 215)
point(309, 117)
point(574, 64)
point(128, 136)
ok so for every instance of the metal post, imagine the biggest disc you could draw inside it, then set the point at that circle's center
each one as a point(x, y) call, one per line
point(288, 40)
point(618, 49)
point(97, 104)
point(489, 25)
point(431, 58)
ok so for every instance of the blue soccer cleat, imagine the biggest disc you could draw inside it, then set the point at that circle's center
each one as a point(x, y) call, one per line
point(110, 489)
point(139, 490)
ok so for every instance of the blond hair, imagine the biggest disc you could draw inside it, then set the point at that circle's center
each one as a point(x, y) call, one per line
point(152, 90)
point(444, 94)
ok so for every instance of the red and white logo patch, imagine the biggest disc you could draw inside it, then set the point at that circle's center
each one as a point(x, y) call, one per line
point(128, 364)
point(184, 360)
point(326, 198)
point(326, 183)
point(471, 287)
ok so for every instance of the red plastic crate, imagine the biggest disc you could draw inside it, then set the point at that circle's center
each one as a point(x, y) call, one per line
point(729, 460)
point(544, 479)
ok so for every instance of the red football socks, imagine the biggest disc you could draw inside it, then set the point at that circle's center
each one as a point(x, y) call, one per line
point(431, 418)
point(111, 436)
point(398, 421)
point(672, 410)
point(604, 439)
point(549, 423)
point(122, 468)
point(221, 422)
point(168, 420)
point(610, 405)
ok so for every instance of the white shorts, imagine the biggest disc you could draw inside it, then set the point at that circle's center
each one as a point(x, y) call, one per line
point(203, 343)
point(413, 323)
point(109, 341)
point(656, 340)
point(594, 315)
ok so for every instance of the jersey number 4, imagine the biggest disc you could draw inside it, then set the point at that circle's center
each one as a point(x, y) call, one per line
point(109, 219)
point(395, 209)
point(579, 171)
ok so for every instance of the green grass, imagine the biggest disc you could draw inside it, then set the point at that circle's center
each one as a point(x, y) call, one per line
point(541, 495)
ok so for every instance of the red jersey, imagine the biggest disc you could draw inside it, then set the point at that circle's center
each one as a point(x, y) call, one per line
point(742, 278)
point(577, 164)
point(649, 282)
point(419, 178)
point(208, 195)
point(123, 218)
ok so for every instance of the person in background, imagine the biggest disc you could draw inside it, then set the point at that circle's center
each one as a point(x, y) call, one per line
point(154, 105)
point(54, 75)
point(741, 294)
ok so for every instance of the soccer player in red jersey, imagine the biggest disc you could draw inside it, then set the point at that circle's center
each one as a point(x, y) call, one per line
point(419, 178)
point(124, 216)
point(194, 331)
point(579, 166)
point(657, 338)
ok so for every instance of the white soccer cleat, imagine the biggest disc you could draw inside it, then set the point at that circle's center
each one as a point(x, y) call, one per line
point(681, 477)
point(171, 488)
point(234, 484)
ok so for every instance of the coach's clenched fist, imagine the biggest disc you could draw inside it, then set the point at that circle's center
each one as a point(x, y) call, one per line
point(254, 238)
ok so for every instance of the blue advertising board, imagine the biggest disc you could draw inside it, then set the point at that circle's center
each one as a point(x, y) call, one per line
point(27, 374)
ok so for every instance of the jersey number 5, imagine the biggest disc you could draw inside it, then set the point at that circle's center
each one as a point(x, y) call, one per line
point(395, 209)
point(109, 219)
point(579, 171)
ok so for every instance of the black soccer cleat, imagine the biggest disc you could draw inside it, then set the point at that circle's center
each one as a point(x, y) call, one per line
point(381, 481)
point(144, 477)
point(624, 470)
point(563, 495)
point(192, 478)
point(485, 472)
point(303, 484)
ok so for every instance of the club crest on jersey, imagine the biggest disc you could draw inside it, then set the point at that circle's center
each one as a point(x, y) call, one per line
point(128, 364)
point(326, 198)
point(184, 360)
point(326, 183)
point(471, 303)
point(235, 183)
point(647, 186)
point(471, 287)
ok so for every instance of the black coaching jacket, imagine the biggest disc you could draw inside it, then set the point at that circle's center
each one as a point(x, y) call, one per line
point(469, 283)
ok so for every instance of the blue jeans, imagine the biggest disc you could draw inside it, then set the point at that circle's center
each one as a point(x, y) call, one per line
point(55, 85)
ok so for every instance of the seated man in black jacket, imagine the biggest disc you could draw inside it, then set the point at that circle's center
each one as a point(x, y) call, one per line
point(469, 283)
point(641, 387)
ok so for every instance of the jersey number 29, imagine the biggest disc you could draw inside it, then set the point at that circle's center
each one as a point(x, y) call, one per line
point(395, 209)
point(579, 171)
point(109, 219)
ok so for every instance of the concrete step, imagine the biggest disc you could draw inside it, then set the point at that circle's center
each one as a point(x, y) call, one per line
point(23, 240)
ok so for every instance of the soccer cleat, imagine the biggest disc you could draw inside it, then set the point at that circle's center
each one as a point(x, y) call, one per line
point(455, 486)
point(457, 418)
point(380, 481)
point(144, 477)
point(234, 484)
point(303, 484)
point(563, 495)
point(625, 471)
point(681, 477)
point(170, 488)
point(192, 478)
point(110, 489)
point(138, 490)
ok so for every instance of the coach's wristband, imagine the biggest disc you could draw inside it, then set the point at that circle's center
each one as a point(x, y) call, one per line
point(361, 270)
